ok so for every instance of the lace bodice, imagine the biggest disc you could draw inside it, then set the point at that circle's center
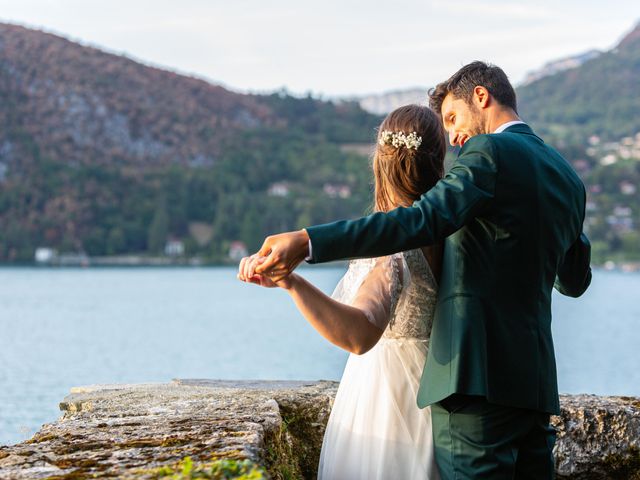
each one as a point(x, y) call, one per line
point(397, 293)
point(412, 316)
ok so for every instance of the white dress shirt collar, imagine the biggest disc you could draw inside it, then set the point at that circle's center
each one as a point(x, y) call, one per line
point(504, 126)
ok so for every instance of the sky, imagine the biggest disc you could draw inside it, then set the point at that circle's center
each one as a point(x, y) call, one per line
point(332, 48)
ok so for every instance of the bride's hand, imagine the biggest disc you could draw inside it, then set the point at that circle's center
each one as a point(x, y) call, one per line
point(248, 265)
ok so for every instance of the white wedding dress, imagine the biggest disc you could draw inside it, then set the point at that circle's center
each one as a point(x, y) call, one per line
point(376, 430)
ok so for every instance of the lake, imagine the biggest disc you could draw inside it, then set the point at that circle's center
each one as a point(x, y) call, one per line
point(67, 327)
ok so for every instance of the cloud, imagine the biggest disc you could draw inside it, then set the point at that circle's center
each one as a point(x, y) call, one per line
point(483, 11)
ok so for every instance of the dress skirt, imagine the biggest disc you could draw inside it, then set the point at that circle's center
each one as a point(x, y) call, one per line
point(376, 430)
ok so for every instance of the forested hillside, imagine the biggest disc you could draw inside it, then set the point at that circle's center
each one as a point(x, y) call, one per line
point(591, 114)
point(103, 155)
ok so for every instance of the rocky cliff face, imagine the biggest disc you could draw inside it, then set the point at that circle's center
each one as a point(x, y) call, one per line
point(81, 106)
point(271, 429)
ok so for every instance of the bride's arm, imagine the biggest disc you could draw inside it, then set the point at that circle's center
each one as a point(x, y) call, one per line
point(356, 327)
point(346, 326)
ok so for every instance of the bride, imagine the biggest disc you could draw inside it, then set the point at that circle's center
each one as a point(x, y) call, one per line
point(381, 312)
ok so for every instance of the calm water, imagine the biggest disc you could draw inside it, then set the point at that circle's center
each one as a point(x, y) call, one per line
point(65, 327)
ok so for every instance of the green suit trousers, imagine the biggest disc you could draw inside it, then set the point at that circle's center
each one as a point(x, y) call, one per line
point(475, 439)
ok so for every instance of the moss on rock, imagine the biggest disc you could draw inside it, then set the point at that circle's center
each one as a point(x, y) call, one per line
point(217, 469)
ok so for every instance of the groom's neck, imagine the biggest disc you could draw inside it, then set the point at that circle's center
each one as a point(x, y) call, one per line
point(499, 116)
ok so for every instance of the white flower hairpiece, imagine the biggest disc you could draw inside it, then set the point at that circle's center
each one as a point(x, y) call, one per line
point(399, 139)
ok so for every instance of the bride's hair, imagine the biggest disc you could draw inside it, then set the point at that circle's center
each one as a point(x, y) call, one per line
point(403, 173)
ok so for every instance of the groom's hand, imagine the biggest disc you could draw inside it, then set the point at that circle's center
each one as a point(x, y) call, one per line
point(284, 253)
point(248, 264)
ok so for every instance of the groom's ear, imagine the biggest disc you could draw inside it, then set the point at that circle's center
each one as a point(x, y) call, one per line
point(481, 97)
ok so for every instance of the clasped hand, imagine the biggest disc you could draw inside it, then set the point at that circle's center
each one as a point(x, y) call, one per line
point(247, 273)
point(277, 258)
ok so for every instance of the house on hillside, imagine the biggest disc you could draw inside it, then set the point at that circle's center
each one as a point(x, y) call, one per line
point(45, 256)
point(278, 189)
point(73, 259)
point(174, 248)
point(627, 188)
point(336, 190)
point(621, 220)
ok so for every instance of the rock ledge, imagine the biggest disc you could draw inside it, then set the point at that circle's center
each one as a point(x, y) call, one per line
point(137, 431)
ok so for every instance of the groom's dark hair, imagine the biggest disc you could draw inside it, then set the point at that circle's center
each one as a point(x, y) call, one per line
point(462, 83)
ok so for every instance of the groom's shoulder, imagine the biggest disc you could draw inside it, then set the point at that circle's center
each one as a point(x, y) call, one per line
point(477, 155)
point(479, 148)
point(482, 143)
point(494, 144)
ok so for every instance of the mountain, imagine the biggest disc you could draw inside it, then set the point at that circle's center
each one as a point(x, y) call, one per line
point(590, 113)
point(555, 66)
point(592, 93)
point(103, 155)
point(83, 106)
point(600, 97)
point(383, 103)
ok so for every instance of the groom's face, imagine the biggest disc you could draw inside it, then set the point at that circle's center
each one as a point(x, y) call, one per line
point(461, 120)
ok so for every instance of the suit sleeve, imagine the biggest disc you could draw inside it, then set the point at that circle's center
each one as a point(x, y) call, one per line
point(574, 275)
point(464, 193)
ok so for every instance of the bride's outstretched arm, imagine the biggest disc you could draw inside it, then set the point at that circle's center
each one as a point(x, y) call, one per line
point(346, 326)
point(356, 327)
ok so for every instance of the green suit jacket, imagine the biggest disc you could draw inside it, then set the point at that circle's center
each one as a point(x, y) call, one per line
point(511, 210)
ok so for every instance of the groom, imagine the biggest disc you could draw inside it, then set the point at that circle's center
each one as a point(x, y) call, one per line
point(510, 213)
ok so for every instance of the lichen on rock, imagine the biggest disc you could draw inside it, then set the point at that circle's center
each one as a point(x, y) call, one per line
point(598, 438)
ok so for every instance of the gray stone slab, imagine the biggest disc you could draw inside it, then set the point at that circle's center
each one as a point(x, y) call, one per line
point(131, 431)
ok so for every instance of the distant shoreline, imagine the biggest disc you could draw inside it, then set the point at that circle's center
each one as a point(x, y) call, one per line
point(626, 267)
point(34, 265)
